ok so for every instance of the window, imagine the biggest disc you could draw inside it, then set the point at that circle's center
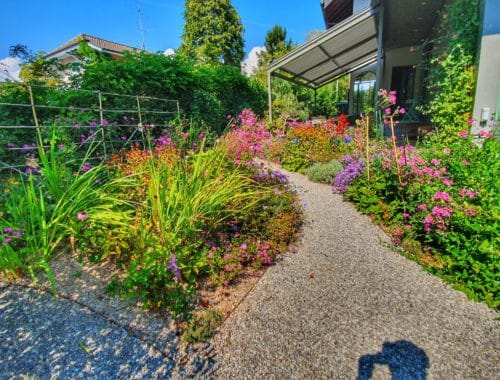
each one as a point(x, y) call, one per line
point(364, 92)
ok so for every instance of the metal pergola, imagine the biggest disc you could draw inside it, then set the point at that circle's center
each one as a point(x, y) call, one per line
point(342, 49)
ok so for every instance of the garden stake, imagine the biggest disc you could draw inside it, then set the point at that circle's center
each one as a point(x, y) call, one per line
point(368, 147)
point(35, 117)
point(395, 149)
point(100, 123)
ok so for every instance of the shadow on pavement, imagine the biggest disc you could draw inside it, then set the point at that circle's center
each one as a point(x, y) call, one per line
point(404, 359)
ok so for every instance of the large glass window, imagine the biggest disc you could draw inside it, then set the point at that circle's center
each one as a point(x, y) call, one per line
point(364, 92)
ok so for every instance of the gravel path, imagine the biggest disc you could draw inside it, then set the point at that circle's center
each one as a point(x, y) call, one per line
point(85, 333)
point(346, 306)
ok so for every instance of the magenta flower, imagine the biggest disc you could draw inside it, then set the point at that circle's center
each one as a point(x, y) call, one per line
point(405, 215)
point(448, 182)
point(463, 134)
point(429, 219)
point(442, 212)
point(244, 246)
point(435, 162)
point(422, 207)
point(402, 111)
point(470, 121)
point(443, 196)
point(387, 111)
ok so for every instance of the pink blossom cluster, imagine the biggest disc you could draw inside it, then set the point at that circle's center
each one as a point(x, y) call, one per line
point(248, 118)
point(468, 193)
point(249, 140)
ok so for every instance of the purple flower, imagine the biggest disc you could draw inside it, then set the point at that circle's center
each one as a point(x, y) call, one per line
point(104, 122)
point(244, 246)
point(280, 176)
point(92, 124)
point(86, 167)
point(352, 169)
point(174, 268)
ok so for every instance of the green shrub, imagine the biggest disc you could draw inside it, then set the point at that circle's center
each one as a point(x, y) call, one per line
point(324, 173)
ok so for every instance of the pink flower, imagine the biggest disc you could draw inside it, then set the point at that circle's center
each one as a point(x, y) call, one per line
point(465, 162)
point(463, 134)
point(470, 121)
point(243, 246)
point(435, 162)
point(484, 133)
point(422, 207)
point(448, 182)
point(429, 219)
point(446, 150)
point(405, 215)
point(402, 111)
point(443, 196)
point(82, 216)
point(408, 226)
point(442, 212)
point(471, 212)
point(392, 97)
point(387, 111)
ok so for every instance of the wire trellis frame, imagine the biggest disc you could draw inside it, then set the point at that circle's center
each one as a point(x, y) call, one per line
point(99, 128)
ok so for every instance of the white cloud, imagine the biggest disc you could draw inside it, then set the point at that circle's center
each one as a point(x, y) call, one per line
point(249, 65)
point(9, 69)
point(168, 52)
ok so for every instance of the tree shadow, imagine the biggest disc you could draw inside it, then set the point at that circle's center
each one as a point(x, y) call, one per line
point(404, 359)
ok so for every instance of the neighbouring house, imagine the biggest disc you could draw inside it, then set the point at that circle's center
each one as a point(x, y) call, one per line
point(383, 44)
point(67, 52)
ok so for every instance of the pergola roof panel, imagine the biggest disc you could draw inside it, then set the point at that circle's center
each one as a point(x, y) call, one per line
point(341, 49)
point(306, 60)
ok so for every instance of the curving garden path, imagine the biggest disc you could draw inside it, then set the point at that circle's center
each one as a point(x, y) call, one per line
point(346, 306)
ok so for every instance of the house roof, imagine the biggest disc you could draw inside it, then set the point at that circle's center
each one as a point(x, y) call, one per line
point(99, 43)
point(347, 46)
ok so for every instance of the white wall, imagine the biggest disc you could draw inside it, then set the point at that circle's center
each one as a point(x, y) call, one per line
point(488, 79)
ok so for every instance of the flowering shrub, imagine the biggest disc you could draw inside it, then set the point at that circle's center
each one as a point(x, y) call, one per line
point(247, 139)
point(445, 208)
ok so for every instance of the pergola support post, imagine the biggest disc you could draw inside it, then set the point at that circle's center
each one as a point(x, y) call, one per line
point(380, 51)
point(270, 96)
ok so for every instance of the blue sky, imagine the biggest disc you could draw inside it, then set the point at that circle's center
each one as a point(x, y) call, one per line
point(45, 24)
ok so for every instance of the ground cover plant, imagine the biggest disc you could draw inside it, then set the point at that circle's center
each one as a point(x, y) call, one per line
point(171, 213)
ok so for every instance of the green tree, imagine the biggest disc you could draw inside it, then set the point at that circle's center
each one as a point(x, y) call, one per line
point(213, 32)
point(276, 42)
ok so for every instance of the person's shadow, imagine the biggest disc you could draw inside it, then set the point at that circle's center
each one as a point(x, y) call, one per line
point(404, 359)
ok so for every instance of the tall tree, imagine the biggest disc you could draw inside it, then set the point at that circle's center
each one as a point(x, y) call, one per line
point(276, 41)
point(213, 32)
